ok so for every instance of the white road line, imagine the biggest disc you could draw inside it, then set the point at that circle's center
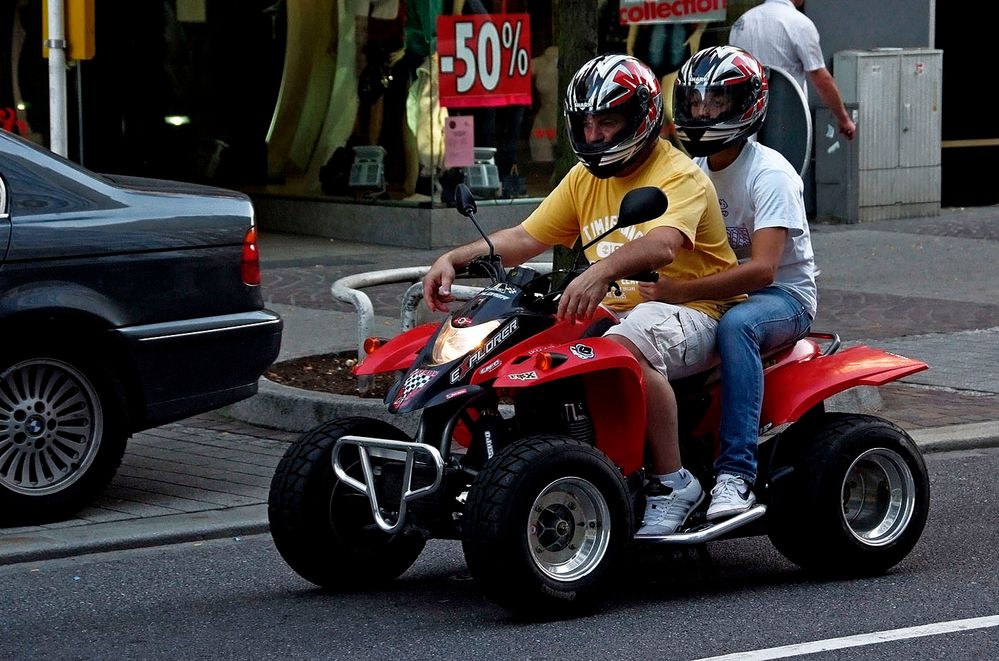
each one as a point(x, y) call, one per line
point(859, 640)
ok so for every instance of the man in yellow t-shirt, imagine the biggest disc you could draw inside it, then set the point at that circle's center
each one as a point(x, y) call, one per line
point(614, 112)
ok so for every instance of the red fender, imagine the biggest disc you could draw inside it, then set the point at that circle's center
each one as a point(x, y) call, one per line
point(545, 340)
point(614, 386)
point(792, 387)
point(398, 353)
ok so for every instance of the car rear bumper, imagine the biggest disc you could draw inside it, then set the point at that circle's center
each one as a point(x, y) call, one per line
point(196, 365)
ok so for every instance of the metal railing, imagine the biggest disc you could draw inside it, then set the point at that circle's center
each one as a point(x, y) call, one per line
point(348, 290)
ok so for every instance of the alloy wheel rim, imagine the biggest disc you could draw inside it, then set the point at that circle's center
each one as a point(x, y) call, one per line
point(879, 497)
point(569, 529)
point(50, 426)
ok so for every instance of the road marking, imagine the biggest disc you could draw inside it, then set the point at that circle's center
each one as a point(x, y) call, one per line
point(860, 640)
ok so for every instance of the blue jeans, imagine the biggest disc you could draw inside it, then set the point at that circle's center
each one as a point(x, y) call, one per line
point(769, 319)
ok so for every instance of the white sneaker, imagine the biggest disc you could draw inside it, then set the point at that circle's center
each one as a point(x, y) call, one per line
point(666, 509)
point(731, 495)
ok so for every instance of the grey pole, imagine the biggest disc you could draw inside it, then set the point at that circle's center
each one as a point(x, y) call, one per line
point(56, 43)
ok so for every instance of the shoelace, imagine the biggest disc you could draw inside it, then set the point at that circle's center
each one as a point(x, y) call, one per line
point(726, 483)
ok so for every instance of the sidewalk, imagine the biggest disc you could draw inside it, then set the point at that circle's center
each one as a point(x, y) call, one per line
point(926, 288)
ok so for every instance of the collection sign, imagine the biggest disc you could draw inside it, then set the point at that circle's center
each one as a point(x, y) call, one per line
point(671, 11)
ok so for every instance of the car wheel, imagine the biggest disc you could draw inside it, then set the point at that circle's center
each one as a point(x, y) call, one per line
point(61, 439)
point(545, 525)
point(322, 527)
point(857, 500)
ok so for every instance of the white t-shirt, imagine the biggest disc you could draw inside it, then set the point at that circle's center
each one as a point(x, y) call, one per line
point(778, 35)
point(760, 189)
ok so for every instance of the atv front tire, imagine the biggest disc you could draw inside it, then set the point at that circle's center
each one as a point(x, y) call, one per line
point(324, 528)
point(857, 500)
point(546, 523)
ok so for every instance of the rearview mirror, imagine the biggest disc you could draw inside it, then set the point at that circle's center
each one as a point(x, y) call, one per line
point(464, 201)
point(642, 205)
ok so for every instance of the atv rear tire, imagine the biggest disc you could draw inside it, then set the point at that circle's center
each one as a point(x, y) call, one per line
point(324, 528)
point(545, 526)
point(857, 500)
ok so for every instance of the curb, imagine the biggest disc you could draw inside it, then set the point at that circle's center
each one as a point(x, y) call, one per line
point(970, 436)
point(64, 542)
point(296, 410)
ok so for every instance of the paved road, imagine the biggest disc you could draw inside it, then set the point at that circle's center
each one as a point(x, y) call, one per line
point(236, 599)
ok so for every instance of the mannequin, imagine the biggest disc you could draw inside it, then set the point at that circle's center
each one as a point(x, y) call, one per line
point(313, 50)
point(423, 119)
point(380, 42)
point(545, 71)
point(497, 126)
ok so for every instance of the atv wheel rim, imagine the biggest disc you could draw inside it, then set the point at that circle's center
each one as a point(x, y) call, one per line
point(50, 426)
point(879, 495)
point(569, 529)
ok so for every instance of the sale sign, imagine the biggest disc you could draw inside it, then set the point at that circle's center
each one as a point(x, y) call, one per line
point(671, 11)
point(485, 60)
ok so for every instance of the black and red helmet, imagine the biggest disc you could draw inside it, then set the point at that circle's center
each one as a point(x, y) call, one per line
point(720, 97)
point(613, 84)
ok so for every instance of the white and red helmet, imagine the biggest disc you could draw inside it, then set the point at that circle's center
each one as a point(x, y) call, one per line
point(613, 84)
point(728, 76)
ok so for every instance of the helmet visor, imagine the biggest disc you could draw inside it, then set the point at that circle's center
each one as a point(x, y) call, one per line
point(708, 105)
point(597, 133)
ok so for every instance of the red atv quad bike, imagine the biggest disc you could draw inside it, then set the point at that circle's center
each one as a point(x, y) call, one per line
point(530, 450)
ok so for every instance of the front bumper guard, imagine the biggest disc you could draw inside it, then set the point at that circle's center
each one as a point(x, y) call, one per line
point(386, 449)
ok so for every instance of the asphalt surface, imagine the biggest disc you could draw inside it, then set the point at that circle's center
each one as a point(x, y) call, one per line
point(927, 288)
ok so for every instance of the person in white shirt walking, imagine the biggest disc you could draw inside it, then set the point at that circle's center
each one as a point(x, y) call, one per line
point(778, 35)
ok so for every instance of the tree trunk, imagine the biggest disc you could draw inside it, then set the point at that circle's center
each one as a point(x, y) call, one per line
point(576, 25)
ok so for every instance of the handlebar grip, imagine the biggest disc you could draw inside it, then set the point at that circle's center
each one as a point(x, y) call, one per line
point(644, 276)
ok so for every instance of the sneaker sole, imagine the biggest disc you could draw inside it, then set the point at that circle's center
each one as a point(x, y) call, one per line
point(725, 514)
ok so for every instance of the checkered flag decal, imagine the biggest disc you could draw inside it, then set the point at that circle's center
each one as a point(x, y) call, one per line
point(414, 382)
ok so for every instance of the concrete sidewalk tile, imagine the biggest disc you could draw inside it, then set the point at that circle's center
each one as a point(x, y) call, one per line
point(196, 487)
point(186, 498)
point(254, 467)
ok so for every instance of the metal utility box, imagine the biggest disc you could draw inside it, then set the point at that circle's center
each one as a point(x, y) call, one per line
point(896, 94)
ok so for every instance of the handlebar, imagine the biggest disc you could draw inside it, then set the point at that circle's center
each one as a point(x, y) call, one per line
point(644, 276)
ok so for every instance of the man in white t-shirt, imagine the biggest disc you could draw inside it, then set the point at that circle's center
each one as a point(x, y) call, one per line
point(720, 100)
point(778, 35)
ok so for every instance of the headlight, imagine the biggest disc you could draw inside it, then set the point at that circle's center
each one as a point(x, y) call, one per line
point(454, 342)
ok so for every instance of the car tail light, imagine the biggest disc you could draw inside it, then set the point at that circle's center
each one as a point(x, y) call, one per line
point(250, 266)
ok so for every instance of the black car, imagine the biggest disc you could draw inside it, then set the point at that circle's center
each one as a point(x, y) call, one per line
point(125, 303)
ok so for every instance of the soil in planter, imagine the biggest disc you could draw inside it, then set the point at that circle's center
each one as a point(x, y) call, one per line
point(328, 372)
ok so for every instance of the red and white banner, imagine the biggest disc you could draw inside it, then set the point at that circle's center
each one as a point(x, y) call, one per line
point(485, 60)
point(671, 11)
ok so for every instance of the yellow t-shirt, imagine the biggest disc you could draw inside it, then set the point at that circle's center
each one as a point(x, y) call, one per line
point(584, 205)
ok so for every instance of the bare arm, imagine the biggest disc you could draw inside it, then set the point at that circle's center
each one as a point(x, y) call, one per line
point(825, 85)
point(513, 243)
point(757, 273)
point(652, 251)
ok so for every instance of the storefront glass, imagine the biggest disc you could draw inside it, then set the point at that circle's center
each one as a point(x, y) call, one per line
point(358, 100)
